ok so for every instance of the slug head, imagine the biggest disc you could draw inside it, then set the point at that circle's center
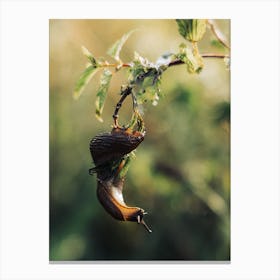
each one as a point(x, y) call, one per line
point(109, 194)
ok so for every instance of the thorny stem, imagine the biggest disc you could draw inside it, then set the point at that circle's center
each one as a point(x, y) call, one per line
point(217, 33)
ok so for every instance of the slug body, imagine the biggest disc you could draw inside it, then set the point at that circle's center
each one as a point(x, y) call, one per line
point(107, 147)
point(109, 153)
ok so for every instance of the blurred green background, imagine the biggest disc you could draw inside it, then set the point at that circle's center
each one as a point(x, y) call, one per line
point(181, 175)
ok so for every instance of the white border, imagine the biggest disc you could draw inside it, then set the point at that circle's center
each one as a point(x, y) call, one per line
point(255, 138)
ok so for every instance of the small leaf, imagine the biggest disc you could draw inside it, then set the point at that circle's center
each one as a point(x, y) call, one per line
point(102, 93)
point(191, 58)
point(137, 119)
point(182, 27)
point(192, 29)
point(115, 50)
point(84, 80)
point(90, 57)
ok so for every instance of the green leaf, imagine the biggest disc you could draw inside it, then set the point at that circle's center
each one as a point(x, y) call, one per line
point(115, 50)
point(145, 77)
point(148, 90)
point(84, 80)
point(182, 27)
point(191, 58)
point(192, 29)
point(90, 57)
point(102, 93)
point(137, 119)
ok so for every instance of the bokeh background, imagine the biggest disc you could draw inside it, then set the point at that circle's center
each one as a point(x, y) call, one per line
point(181, 175)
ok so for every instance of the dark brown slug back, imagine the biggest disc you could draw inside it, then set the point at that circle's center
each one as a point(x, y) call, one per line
point(106, 147)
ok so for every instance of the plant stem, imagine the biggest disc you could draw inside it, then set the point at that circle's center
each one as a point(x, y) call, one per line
point(114, 65)
point(172, 63)
point(218, 33)
point(214, 55)
point(205, 55)
point(124, 94)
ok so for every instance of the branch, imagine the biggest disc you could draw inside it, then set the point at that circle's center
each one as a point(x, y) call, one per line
point(115, 65)
point(218, 33)
point(214, 55)
point(124, 94)
point(172, 63)
point(205, 55)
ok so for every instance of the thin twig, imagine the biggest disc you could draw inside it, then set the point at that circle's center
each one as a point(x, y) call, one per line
point(124, 94)
point(115, 65)
point(172, 63)
point(218, 33)
point(214, 55)
point(204, 55)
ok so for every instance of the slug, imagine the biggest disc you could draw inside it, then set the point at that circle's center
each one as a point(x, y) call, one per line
point(108, 151)
point(109, 194)
point(107, 147)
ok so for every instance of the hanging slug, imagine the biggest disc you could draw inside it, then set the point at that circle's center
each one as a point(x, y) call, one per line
point(108, 151)
point(110, 196)
point(107, 147)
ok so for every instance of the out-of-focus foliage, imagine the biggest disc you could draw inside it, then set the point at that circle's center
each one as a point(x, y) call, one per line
point(115, 50)
point(181, 173)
